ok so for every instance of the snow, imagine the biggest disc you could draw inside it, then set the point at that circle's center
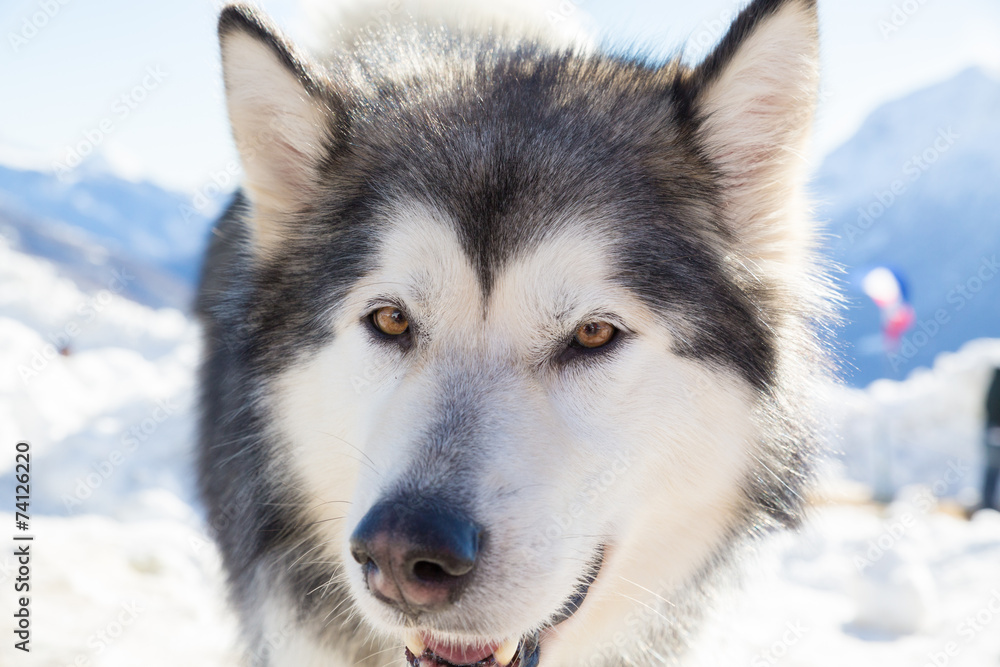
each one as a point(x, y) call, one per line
point(822, 607)
point(106, 593)
point(123, 573)
point(122, 393)
point(926, 430)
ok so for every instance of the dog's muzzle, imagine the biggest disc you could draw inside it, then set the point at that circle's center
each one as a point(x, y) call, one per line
point(526, 652)
point(418, 557)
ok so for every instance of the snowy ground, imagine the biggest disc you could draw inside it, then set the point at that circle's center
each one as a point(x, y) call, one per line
point(122, 573)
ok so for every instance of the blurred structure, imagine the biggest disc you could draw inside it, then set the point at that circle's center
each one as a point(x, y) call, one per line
point(992, 442)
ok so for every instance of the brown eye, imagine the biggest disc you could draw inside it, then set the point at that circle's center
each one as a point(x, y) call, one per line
point(594, 334)
point(390, 321)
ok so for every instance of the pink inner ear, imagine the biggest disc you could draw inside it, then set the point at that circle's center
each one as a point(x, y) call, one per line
point(277, 148)
point(757, 107)
point(289, 166)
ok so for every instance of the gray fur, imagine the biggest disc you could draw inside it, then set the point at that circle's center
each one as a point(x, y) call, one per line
point(509, 139)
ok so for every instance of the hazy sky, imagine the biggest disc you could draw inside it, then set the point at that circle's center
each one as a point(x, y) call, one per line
point(64, 69)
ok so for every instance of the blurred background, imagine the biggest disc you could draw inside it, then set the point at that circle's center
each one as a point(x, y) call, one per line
point(115, 158)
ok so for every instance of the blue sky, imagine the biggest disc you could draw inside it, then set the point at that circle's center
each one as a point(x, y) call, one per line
point(64, 69)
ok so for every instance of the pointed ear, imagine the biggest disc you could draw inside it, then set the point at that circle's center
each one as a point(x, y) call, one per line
point(280, 115)
point(754, 99)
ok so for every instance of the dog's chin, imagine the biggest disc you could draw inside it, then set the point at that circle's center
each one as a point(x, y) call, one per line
point(427, 648)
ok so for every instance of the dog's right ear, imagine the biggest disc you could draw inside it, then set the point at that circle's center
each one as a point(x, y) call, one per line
point(280, 113)
point(754, 99)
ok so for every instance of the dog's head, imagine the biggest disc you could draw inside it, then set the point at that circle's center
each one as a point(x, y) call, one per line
point(527, 320)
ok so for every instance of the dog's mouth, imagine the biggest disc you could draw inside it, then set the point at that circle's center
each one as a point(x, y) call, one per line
point(523, 653)
point(422, 650)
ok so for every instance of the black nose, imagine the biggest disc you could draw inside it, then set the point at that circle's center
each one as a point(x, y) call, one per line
point(416, 554)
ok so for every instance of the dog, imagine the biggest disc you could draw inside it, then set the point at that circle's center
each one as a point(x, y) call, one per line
point(510, 347)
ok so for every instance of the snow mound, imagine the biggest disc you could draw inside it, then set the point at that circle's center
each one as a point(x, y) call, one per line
point(106, 594)
point(814, 602)
point(925, 430)
point(100, 386)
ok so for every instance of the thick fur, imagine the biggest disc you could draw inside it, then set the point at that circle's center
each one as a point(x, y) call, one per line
point(502, 192)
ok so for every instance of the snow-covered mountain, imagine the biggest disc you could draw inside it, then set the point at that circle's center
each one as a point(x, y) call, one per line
point(918, 189)
point(91, 222)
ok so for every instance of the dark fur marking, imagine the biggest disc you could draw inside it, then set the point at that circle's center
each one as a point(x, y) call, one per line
point(247, 20)
point(531, 135)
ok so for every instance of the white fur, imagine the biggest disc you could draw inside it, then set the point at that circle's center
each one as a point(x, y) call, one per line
point(341, 24)
point(646, 450)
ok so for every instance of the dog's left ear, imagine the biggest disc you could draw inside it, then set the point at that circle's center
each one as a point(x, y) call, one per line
point(754, 98)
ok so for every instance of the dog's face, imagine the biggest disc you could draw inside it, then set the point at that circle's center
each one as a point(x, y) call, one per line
point(522, 319)
point(550, 413)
